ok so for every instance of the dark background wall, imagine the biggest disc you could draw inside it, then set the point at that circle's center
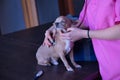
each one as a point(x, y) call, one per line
point(48, 10)
point(78, 5)
point(11, 13)
point(11, 16)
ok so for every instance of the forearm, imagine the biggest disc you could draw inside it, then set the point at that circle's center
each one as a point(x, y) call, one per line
point(108, 34)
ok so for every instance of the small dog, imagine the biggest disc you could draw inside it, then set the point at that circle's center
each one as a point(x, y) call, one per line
point(46, 55)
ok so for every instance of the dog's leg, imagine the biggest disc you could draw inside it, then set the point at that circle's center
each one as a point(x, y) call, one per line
point(44, 63)
point(54, 61)
point(72, 60)
point(64, 60)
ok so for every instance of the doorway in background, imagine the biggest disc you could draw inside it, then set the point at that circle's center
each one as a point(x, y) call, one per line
point(30, 13)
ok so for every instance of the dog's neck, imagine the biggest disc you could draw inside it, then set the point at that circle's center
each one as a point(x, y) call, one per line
point(68, 43)
point(68, 46)
point(58, 32)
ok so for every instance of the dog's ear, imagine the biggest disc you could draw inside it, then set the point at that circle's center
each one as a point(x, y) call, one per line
point(68, 23)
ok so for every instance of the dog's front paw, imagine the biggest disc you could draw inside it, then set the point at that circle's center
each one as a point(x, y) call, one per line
point(55, 63)
point(70, 69)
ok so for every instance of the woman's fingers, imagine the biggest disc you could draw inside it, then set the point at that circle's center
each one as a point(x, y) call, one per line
point(46, 42)
point(70, 29)
point(65, 35)
point(54, 32)
point(48, 39)
point(72, 34)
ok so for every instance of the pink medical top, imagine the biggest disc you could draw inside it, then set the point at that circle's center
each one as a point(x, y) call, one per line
point(101, 14)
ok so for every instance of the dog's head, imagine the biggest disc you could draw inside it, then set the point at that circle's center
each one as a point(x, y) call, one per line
point(62, 22)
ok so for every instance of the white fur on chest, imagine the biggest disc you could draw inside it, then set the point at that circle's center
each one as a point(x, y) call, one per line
point(67, 46)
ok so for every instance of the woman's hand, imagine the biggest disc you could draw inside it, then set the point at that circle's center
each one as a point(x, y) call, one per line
point(49, 37)
point(74, 34)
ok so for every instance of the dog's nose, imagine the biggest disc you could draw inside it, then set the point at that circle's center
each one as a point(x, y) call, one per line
point(56, 24)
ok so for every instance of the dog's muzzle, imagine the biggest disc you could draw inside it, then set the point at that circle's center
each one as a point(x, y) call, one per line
point(56, 24)
point(60, 24)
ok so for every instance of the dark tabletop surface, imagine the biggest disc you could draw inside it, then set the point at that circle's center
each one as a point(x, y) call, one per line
point(18, 62)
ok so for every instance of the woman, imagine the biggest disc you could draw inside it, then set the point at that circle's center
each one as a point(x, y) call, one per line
point(102, 17)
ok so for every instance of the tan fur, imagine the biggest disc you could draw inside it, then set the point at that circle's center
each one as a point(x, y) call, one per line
point(46, 55)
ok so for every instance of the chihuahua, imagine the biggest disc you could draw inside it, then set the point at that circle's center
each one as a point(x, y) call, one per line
point(60, 48)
